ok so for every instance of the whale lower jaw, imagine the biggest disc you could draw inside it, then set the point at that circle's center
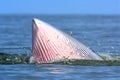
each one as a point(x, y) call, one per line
point(50, 44)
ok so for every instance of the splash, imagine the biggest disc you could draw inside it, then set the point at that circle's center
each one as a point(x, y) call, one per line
point(108, 61)
point(25, 59)
point(14, 58)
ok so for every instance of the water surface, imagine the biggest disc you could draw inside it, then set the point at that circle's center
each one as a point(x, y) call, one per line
point(99, 32)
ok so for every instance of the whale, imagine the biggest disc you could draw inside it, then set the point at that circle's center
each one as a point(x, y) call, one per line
point(50, 44)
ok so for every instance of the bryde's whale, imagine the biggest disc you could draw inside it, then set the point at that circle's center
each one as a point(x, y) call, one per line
point(50, 44)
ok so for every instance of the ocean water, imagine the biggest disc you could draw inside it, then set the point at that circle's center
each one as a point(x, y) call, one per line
point(99, 32)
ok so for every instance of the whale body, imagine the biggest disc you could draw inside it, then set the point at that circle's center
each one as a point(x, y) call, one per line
point(50, 44)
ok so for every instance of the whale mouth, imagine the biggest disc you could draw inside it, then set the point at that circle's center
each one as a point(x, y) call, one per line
point(49, 44)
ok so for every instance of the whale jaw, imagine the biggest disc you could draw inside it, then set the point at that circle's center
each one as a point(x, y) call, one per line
point(50, 44)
